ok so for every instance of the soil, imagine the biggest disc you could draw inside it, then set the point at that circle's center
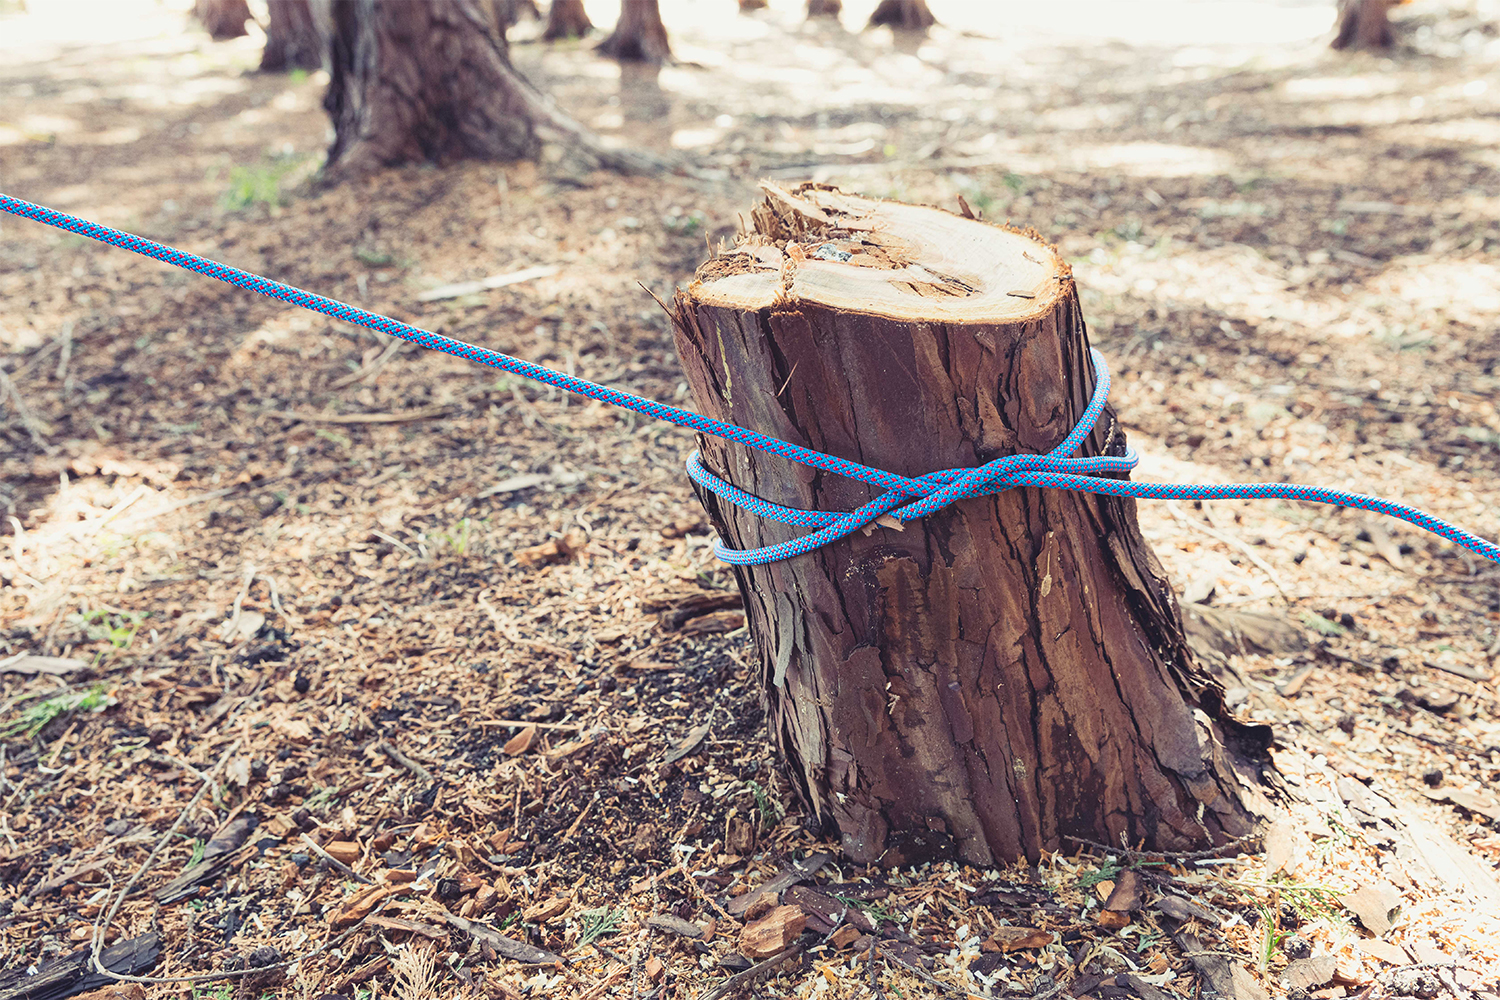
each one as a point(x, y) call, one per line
point(467, 635)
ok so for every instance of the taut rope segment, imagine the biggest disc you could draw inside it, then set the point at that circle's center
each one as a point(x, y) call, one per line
point(905, 498)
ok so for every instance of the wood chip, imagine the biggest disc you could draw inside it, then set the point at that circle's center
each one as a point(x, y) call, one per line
point(359, 905)
point(1126, 895)
point(688, 744)
point(1018, 938)
point(669, 924)
point(520, 743)
point(1386, 951)
point(459, 288)
point(772, 933)
point(1375, 903)
point(785, 879)
point(29, 663)
point(516, 951)
point(547, 909)
point(346, 851)
point(1309, 973)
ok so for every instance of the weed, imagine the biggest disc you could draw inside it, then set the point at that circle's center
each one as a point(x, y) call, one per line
point(117, 628)
point(881, 913)
point(595, 924)
point(1015, 182)
point(771, 811)
point(1104, 873)
point(332, 436)
point(374, 258)
point(260, 184)
point(297, 76)
point(457, 540)
point(224, 991)
point(36, 718)
point(1271, 937)
point(197, 852)
point(1322, 625)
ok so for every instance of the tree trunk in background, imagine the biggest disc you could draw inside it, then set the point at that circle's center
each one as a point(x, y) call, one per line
point(908, 15)
point(567, 19)
point(1363, 24)
point(748, 5)
point(825, 8)
point(1010, 671)
point(414, 82)
point(224, 19)
point(508, 13)
point(293, 40)
point(639, 35)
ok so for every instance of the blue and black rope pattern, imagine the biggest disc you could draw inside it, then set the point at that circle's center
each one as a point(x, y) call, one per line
point(905, 498)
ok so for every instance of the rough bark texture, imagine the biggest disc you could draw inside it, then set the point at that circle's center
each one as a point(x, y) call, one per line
point(417, 81)
point(639, 34)
point(567, 19)
point(1363, 24)
point(999, 676)
point(911, 15)
point(224, 19)
point(825, 8)
point(293, 39)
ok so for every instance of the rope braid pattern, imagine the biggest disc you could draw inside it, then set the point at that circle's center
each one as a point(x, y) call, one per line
point(905, 498)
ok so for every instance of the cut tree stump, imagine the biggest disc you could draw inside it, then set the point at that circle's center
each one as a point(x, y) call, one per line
point(566, 19)
point(1010, 671)
point(639, 34)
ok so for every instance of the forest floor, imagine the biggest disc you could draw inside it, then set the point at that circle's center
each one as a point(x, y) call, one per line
point(468, 635)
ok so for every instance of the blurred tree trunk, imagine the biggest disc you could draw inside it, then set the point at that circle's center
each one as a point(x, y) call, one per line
point(224, 19)
point(417, 82)
point(825, 8)
point(908, 15)
point(1363, 24)
point(293, 40)
point(567, 19)
point(508, 13)
point(639, 35)
point(748, 5)
point(1010, 671)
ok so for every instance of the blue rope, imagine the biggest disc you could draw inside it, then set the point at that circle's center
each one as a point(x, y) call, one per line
point(905, 498)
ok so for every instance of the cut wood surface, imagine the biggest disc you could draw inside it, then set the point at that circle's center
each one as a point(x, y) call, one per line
point(1010, 670)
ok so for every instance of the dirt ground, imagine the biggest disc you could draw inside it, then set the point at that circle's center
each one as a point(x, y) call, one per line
point(468, 635)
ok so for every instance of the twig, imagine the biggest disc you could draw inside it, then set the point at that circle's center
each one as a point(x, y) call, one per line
point(516, 723)
point(28, 419)
point(425, 413)
point(391, 350)
point(405, 761)
point(335, 861)
point(1170, 855)
point(1233, 542)
point(752, 974)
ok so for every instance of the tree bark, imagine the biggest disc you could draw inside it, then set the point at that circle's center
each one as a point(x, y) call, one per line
point(639, 35)
point(414, 82)
point(907, 15)
point(1363, 24)
point(293, 39)
point(1011, 671)
point(567, 19)
point(825, 8)
point(224, 19)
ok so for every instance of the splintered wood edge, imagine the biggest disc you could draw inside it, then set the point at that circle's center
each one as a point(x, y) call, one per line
point(819, 246)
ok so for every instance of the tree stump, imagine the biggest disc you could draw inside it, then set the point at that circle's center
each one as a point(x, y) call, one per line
point(293, 39)
point(223, 19)
point(639, 34)
point(1011, 671)
point(904, 15)
point(566, 19)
